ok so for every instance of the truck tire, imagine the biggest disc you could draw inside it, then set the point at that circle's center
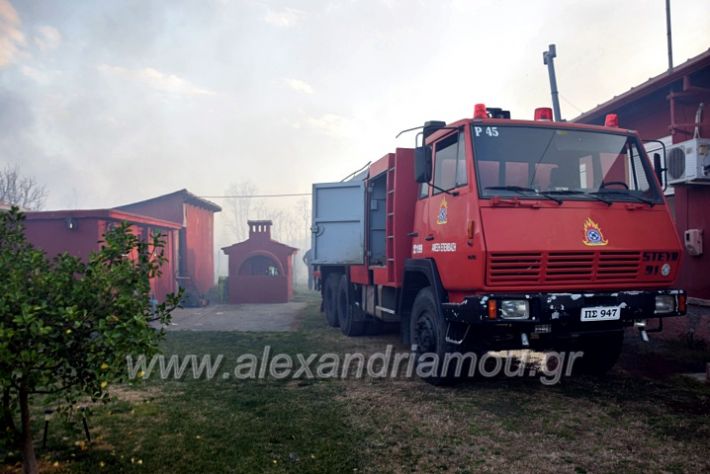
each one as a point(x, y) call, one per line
point(428, 333)
point(600, 353)
point(348, 325)
point(330, 296)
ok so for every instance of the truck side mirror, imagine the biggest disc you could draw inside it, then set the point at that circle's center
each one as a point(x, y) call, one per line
point(659, 169)
point(422, 164)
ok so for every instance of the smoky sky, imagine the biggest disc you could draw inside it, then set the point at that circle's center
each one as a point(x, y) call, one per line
point(111, 102)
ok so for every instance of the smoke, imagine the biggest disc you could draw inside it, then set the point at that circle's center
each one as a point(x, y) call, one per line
point(112, 102)
point(15, 115)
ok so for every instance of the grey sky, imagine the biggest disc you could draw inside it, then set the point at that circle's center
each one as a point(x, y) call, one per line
point(115, 101)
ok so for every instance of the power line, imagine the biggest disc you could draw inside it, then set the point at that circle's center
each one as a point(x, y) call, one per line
point(250, 196)
point(570, 103)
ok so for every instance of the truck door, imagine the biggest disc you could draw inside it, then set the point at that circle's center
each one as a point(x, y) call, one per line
point(448, 210)
point(338, 224)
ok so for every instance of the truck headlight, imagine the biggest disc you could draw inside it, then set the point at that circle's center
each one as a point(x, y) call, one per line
point(665, 304)
point(514, 309)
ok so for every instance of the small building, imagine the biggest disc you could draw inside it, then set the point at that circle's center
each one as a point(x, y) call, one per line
point(79, 233)
point(260, 269)
point(195, 219)
point(673, 107)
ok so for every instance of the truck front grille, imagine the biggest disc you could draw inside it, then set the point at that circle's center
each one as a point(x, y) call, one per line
point(550, 268)
point(514, 267)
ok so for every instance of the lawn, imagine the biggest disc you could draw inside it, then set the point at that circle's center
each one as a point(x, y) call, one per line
point(625, 421)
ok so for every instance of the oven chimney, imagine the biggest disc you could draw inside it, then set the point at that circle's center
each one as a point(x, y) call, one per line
point(260, 229)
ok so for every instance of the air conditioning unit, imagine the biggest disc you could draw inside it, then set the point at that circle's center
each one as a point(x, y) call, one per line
point(689, 161)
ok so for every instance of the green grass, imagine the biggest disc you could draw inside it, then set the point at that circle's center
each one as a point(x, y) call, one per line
point(622, 422)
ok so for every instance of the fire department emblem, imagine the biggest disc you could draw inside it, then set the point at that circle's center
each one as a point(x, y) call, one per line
point(442, 217)
point(593, 234)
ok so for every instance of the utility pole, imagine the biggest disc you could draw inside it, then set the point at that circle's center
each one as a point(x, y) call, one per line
point(668, 34)
point(548, 58)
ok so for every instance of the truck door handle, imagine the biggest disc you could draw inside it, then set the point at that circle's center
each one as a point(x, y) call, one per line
point(429, 237)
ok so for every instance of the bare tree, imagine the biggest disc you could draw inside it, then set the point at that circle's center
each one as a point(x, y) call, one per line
point(287, 224)
point(21, 191)
point(303, 209)
point(284, 227)
point(240, 210)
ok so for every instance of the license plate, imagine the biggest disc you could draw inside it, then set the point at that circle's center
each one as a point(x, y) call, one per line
point(601, 313)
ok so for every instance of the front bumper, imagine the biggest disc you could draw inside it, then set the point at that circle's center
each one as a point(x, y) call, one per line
point(562, 311)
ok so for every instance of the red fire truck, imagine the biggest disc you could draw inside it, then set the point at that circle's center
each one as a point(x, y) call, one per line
point(496, 234)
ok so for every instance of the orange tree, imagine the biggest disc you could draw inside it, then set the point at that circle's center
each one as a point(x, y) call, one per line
point(66, 326)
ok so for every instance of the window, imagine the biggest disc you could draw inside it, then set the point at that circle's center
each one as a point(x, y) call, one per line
point(450, 163)
point(423, 190)
point(639, 181)
point(530, 161)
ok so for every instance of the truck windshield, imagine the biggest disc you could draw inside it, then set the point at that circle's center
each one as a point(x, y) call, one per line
point(564, 164)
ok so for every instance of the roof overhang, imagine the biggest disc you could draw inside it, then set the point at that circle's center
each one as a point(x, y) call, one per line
point(105, 214)
point(665, 79)
point(183, 194)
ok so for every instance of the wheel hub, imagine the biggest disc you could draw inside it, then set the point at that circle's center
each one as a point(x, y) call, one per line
point(426, 335)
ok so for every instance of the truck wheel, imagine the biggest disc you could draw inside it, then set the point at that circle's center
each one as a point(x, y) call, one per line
point(330, 295)
point(348, 325)
point(600, 353)
point(428, 332)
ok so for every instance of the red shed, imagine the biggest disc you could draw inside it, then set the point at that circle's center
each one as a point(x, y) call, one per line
point(260, 269)
point(669, 107)
point(79, 232)
point(195, 218)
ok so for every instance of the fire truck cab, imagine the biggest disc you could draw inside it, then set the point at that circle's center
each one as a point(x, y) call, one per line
point(500, 234)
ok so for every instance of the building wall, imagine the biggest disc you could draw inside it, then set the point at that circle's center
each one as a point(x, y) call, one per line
point(199, 245)
point(168, 208)
point(166, 282)
point(258, 289)
point(198, 223)
point(54, 237)
point(693, 204)
point(650, 126)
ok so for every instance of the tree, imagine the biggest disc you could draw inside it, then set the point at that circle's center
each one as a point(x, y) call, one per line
point(20, 191)
point(239, 210)
point(66, 326)
point(303, 209)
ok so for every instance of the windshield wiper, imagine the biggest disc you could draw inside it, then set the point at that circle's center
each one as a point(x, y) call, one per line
point(625, 192)
point(522, 190)
point(442, 190)
point(579, 192)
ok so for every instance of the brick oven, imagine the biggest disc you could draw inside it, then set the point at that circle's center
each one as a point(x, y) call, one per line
point(260, 269)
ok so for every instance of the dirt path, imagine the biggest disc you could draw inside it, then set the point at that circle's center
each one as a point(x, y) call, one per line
point(242, 317)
